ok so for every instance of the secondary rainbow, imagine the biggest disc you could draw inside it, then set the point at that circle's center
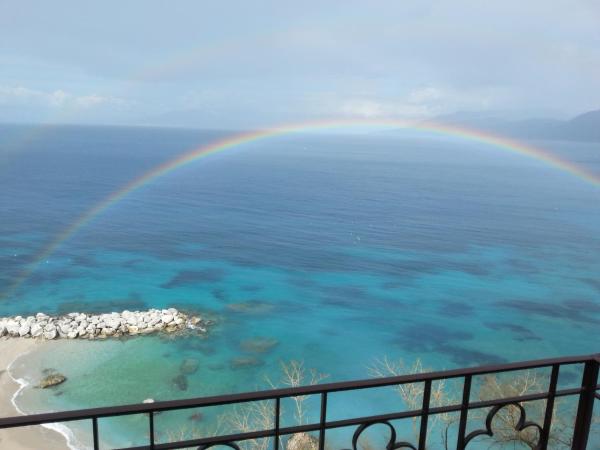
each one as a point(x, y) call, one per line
point(236, 140)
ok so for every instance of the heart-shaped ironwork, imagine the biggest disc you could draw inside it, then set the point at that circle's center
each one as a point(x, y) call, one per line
point(232, 445)
point(521, 424)
point(391, 445)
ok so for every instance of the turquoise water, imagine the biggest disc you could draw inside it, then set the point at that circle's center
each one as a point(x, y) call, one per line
point(336, 250)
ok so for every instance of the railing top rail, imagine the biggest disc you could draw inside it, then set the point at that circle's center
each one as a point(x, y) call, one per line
point(112, 411)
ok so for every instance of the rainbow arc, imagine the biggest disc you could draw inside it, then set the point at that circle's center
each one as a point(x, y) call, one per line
point(236, 140)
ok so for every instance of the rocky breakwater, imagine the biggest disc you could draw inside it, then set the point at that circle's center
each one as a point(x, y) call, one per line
point(100, 326)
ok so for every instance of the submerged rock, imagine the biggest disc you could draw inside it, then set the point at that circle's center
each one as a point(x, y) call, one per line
point(189, 366)
point(245, 362)
point(53, 379)
point(180, 381)
point(250, 307)
point(196, 417)
point(259, 344)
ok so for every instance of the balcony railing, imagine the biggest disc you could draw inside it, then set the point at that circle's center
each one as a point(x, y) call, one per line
point(584, 393)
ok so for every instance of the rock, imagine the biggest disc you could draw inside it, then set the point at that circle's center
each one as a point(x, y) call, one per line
point(196, 417)
point(50, 334)
point(52, 380)
point(113, 323)
point(250, 307)
point(302, 441)
point(24, 329)
point(195, 321)
point(36, 330)
point(91, 326)
point(180, 381)
point(259, 344)
point(12, 327)
point(245, 362)
point(132, 320)
point(189, 366)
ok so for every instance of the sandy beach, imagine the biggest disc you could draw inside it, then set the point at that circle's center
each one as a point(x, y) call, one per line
point(30, 438)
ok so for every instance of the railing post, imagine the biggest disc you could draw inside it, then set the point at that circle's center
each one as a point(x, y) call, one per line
point(151, 430)
point(323, 420)
point(585, 408)
point(545, 436)
point(464, 413)
point(276, 423)
point(95, 433)
point(425, 415)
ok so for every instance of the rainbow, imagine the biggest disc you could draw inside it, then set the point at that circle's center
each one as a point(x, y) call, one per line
point(239, 139)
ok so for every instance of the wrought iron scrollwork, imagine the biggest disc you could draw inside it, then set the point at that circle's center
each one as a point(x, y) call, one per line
point(231, 445)
point(521, 424)
point(391, 445)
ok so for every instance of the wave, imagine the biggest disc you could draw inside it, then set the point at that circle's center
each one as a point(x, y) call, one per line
point(65, 431)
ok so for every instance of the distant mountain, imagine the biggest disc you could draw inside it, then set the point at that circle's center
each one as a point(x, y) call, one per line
point(585, 127)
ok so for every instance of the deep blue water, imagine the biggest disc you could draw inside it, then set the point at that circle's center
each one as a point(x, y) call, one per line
point(342, 248)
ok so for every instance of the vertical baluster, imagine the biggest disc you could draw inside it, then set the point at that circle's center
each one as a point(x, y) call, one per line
point(586, 405)
point(323, 420)
point(277, 411)
point(425, 415)
point(464, 413)
point(549, 408)
point(95, 433)
point(151, 425)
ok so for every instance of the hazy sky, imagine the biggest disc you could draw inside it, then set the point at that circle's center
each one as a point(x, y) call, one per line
point(256, 63)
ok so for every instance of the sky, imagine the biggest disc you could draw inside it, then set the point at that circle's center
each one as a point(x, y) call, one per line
point(241, 64)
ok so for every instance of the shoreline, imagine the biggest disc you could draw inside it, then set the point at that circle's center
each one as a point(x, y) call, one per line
point(24, 438)
point(20, 336)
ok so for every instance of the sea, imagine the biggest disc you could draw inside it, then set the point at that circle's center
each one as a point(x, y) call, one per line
point(331, 252)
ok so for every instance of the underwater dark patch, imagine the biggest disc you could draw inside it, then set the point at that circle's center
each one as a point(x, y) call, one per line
point(521, 333)
point(251, 288)
point(522, 267)
point(251, 307)
point(193, 277)
point(467, 357)
point(133, 263)
point(570, 309)
point(220, 294)
point(51, 275)
point(595, 283)
point(477, 270)
point(428, 338)
point(84, 261)
point(455, 308)
point(133, 303)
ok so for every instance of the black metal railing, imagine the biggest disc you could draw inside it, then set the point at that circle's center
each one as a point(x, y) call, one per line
point(585, 393)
